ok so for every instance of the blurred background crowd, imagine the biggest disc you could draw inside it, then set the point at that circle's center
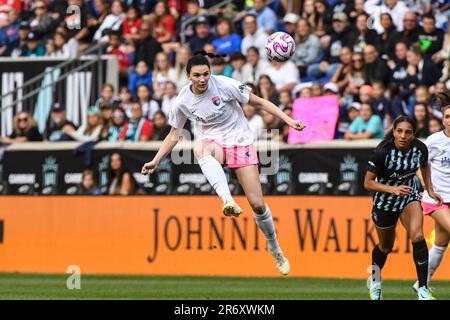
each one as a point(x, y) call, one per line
point(381, 58)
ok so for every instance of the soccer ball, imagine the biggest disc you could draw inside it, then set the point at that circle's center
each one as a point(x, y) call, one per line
point(280, 47)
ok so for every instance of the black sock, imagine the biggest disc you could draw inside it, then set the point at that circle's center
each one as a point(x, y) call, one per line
point(420, 255)
point(378, 261)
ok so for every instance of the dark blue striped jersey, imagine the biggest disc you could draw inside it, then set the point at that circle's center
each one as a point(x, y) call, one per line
point(394, 167)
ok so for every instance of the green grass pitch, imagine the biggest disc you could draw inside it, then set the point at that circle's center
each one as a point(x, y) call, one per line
point(38, 286)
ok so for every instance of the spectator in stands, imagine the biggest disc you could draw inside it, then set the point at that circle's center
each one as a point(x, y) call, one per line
point(316, 89)
point(435, 125)
point(16, 49)
point(286, 99)
point(398, 65)
point(340, 77)
point(138, 128)
point(34, 46)
point(388, 38)
point(161, 127)
point(265, 17)
point(149, 106)
point(183, 55)
point(255, 66)
point(323, 18)
point(42, 22)
point(202, 35)
point(58, 125)
point(357, 9)
point(106, 112)
point(89, 131)
point(9, 34)
point(272, 126)
point(346, 119)
point(164, 23)
point(341, 36)
point(147, 47)
point(107, 96)
point(421, 70)
point(220, 67)
point(284, 75)
point(362, 35)
point(119, 119)
point(430, 38)
point(375, 69)
point(411, 29)
point(125, 98)
point(382, 106)
point(396, 9)
point(309, 13)
point(366, 126)
point(162, 73)
point(237, 61)
point(226, 41)
point(169, 97)
point(112, 22)
point(394, 94)
point(355, 76)
point(255, 121)
point(365, 93)
point(193, 10)
point(422, 117)
point(132, 25)
point(290, 23)
point(121, 181)
point(253, 36)
point(141, 75)
point(308, 47)
point(267, 90)
point(330, 89)
point(24, 129)
point(63, 48)
point(88, 185)
point(120, 51)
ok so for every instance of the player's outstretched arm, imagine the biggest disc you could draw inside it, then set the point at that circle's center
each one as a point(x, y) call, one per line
point(167, 146)
point(268, 106)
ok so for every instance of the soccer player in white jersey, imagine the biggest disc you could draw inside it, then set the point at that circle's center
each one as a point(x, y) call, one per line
point(214, 104)
point(439, 158)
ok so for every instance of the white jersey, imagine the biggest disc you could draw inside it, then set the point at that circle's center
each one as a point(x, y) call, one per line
point(439, 158)
point(217, 113)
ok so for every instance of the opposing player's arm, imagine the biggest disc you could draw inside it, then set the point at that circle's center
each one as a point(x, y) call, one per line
point(166, 147)
point(273, 109)
point(426, 176)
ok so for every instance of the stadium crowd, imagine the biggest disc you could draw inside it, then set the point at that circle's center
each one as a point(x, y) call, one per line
point(381, 58)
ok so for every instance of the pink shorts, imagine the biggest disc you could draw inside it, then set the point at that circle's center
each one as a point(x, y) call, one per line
point(429, 208)
point(239, 156)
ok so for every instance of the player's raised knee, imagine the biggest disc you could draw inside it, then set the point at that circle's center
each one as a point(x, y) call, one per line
point(385, 249)
point(258, 207)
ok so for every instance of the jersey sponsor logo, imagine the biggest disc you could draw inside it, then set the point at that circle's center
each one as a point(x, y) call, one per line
point(395, 175)
point(216, 100)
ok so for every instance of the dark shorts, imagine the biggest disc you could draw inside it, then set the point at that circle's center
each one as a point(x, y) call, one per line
point(387, 219)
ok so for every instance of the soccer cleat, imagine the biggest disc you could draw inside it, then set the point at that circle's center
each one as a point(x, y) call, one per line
point(375, 290)
point(231, 209)
point(424, 294)
point(281, 262)
point(416, 287)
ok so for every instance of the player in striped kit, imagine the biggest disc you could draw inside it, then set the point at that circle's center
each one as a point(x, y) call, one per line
point(390, 175)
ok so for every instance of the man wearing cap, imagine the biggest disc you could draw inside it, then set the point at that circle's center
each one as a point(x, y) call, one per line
point(58, 125)
point(290, 21)
point(341, 36)
point(34, 46)
point(253, 36)
point(193, 11)
point(202, 35)
point(17, 48)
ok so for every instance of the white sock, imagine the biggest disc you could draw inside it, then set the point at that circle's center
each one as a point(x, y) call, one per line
point(213, 172)
point(434, 259)
point(265, 223)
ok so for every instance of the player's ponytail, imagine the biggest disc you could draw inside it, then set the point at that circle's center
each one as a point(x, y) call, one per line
point(390, 135)
point(443, 100)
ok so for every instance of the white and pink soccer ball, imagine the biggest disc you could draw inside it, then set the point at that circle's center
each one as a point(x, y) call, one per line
point(280, 47)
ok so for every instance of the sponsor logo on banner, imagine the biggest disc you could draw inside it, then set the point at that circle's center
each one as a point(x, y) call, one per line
point(103, 173)
point(73, 178)
point(49, 176)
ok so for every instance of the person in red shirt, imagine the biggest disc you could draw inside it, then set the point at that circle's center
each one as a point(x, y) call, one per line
point(120, 51)
point(138, 128)
point(164, 23)
point(132, 24)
